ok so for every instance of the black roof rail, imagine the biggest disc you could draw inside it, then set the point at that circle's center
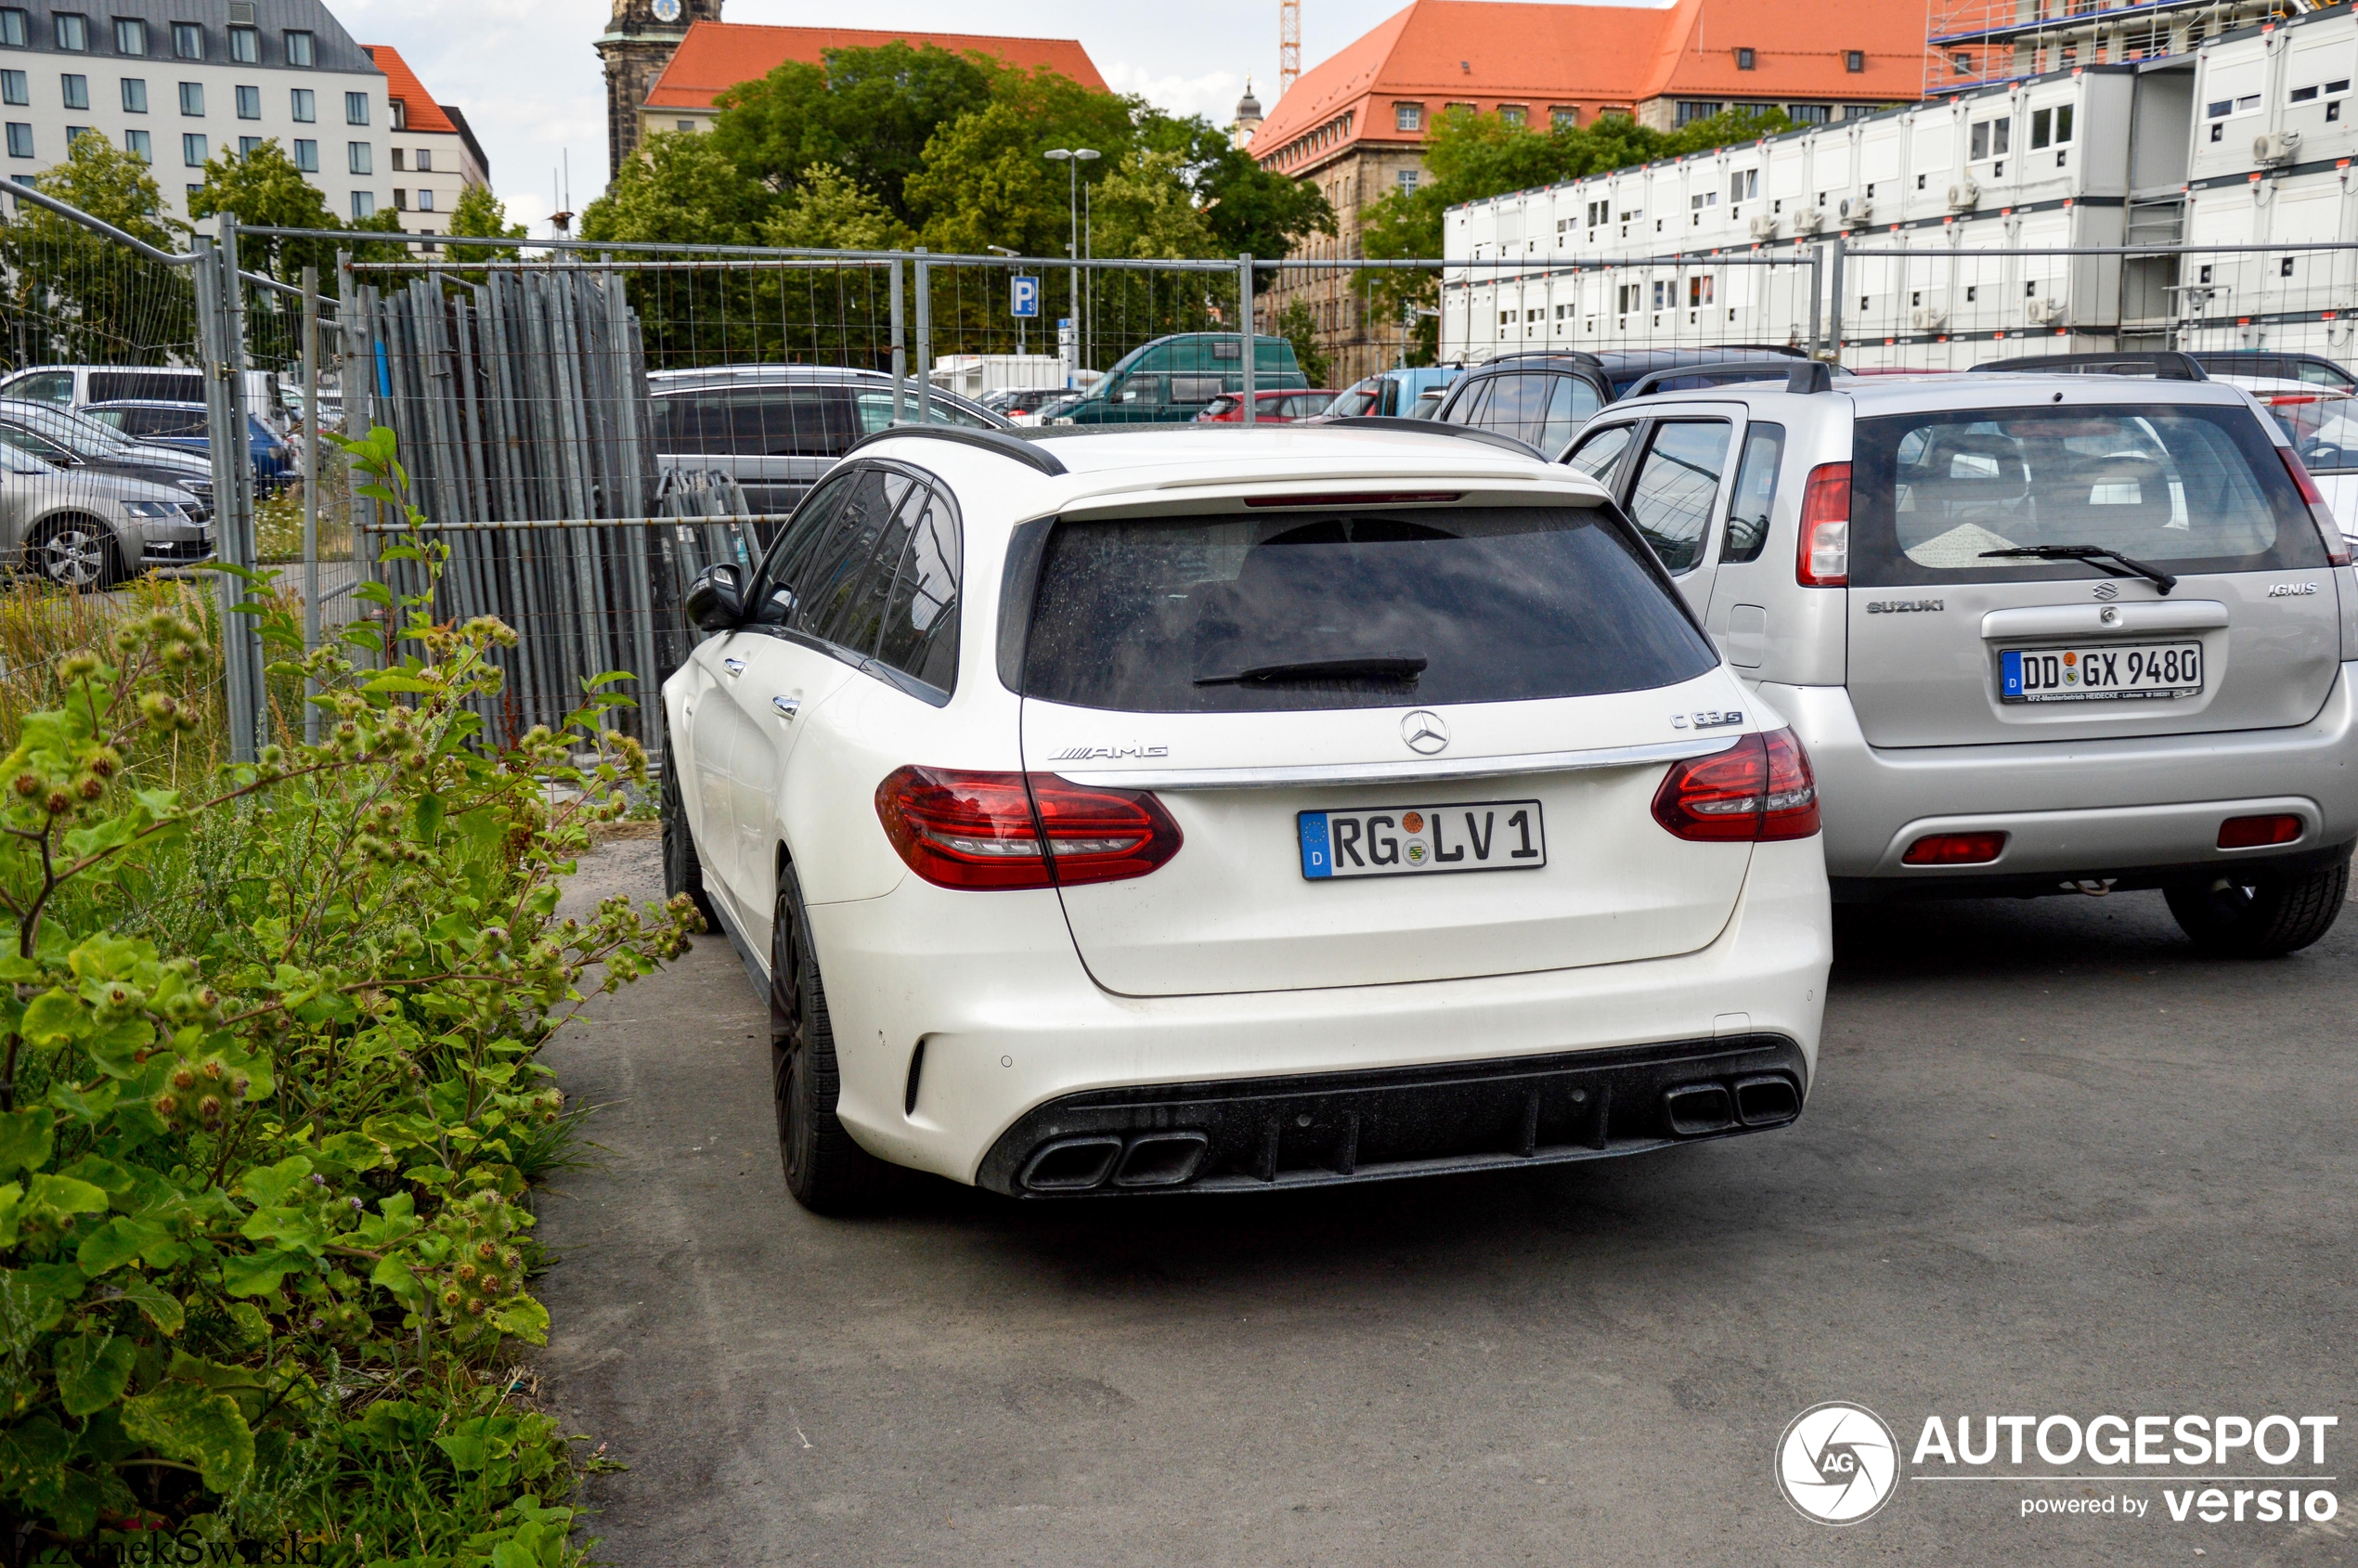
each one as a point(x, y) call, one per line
point(1806, 376)
point(1428, 427)
point(2162, 364)
point(998, 441)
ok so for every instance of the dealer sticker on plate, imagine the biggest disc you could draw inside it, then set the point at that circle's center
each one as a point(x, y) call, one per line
point(1409, 840)
point(2100, 674)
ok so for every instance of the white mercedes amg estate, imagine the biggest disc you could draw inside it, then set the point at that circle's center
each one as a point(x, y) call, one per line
point(1237, 808)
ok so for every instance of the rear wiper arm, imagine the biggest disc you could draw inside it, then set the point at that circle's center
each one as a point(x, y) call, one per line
point(2095, 555)
point(1343, 667)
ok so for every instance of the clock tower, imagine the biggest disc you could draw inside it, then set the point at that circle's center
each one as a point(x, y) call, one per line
point(637, 45)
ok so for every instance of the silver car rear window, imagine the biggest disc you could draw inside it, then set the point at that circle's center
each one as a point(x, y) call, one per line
point(1228, 613)
point(2187, 488)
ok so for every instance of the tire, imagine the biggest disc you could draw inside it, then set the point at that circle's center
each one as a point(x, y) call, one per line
point(76, 552)
point(2264, 917)
point(827, 1172)
point(682, 869)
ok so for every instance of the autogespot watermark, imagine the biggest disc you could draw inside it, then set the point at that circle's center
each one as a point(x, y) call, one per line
point(1839, 1463)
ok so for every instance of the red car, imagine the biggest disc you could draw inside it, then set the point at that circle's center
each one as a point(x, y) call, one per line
point(1269, 408)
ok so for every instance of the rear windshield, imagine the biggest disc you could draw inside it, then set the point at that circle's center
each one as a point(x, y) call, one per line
point(1352, 609)
point(2187, 488)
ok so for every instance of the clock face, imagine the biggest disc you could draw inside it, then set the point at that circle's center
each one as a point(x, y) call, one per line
point(666, 10)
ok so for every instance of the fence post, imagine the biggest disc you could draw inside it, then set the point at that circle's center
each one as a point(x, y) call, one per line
point(899, 352)
point(221, 320)
point(1816, 279)
point(310, 493)
point(1245, 318)
point(924, 340)
point(1835, 286)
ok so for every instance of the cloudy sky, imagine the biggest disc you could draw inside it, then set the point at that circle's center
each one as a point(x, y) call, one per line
point(525, 72)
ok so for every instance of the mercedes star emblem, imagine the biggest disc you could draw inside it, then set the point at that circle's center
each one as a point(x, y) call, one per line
point(1424, 732)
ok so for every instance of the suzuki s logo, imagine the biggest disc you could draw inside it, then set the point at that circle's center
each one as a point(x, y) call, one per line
point(1837, 1463)
point(2290, 590)
point(1424, 732)
point(2105, 591)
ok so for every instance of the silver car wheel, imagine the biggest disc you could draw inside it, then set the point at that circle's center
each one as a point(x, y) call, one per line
point(72, 556)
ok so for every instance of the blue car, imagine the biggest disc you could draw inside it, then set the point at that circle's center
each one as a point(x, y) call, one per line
point(157, 424)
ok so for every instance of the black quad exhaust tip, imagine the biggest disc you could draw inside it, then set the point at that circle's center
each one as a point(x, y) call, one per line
point(1162, 1159)
point(1767, 1101)
point(1072, 1164)
point(1697, 1109)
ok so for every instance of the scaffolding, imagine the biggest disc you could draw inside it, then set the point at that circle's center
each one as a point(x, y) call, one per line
point(1971, 44)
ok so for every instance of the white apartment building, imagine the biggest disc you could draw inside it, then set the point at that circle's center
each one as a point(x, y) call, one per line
point(177, 82)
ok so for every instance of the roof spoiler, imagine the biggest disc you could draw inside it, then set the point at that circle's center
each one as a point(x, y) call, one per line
point(1807, 375)
point(1428, 427)
point(2162, 364)
point(999, 441)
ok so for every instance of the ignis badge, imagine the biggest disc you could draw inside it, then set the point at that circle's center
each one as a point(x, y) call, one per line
point(1837, 1463)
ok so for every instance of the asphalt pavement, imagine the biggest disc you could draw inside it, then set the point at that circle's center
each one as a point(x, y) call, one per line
point(2053, 1162)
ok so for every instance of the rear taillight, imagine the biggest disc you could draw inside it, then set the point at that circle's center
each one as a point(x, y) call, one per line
point(2336, 547)
point(1759, 790)
point(975, 830)
point(1825, 528)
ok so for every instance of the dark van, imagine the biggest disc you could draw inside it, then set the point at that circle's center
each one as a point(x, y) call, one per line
point(1171, 379)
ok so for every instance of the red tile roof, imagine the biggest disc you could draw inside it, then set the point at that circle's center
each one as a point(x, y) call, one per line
point(1482, 52)
point(418, 108)
point(715, 56)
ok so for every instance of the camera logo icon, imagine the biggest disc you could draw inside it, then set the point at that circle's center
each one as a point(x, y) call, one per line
point(1837, 1463)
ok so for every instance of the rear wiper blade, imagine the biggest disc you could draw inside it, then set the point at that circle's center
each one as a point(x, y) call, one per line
point(2097, 555)
point(1341, 666)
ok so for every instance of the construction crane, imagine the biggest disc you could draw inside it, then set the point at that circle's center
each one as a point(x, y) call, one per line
point(1289, 46)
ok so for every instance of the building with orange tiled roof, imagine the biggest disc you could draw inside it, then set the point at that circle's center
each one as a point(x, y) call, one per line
point(434, 155)
point(1356, 123)
point(716, 56)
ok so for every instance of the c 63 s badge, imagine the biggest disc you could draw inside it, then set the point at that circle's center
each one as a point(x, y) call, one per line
point(1707, 719)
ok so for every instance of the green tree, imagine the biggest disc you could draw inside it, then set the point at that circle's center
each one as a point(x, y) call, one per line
point(826, 210)
point(481, 215)
point(1300, 328)
point(1472, 157)
point(984, 181)
point(1144, 210)
point(72, 294)
point(864, 114)
point(685, 190)
point(263, 187)
point(1246, 207)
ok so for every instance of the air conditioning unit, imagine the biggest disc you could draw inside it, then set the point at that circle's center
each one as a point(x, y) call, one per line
point(2043, 313)
point(1764, 225)
point(2275, 147)
point(1857, 209)
point(1963, 196)
point(1928, 319)
point(1807, 220)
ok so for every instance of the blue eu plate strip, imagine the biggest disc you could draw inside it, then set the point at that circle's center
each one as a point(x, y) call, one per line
point(1315, 861)
point(2014, 674)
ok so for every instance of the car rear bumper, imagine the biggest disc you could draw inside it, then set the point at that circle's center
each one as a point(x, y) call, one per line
point(1017, 1037)
point(2133, 812)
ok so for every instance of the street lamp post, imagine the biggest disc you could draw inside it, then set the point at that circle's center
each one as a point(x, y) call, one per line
point(1073, 157)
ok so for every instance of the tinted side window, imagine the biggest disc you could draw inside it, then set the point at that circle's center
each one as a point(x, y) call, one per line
point(772, 602)
point(53, 386)
point(163, 386)
point(1569, 405)
point(1672, 498)
point(1466, 406)
point(1748, 508)
point(1600, 455)
point(921, 613)
point(841, 596)
point(1518, 407)
point(24, 440)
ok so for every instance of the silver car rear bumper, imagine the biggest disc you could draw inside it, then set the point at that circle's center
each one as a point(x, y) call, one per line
point(2129, 811)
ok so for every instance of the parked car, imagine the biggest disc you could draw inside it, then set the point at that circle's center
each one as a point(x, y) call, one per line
point(1014, 405)
point(1540, 399)
point(1427, 403)
point(86, 529)
point(68, 440)
point(1624, 369)
point(2040, 633)
point(77, 386)
point(775, 429)
point(1393, 393)
point(1277, 408)
point(1170, 380)
point(2313, 368)
point(182, 427)
point(1251, 835)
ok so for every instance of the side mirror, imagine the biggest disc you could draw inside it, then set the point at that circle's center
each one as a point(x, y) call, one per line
point(715, 602)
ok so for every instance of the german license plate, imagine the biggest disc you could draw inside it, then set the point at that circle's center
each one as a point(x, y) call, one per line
point(1416, 841)
point(2107, 673)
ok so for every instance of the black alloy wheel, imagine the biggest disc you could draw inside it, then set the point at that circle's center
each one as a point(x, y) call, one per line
point(2262, 914)
point(827, 1172)
point(682, 868)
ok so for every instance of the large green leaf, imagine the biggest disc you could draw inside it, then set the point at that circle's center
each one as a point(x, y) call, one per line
point(50, 1198)
point(258, 1274)
point(25, 1139)
point(163, 1311)
point(271, 1183)
point(182, 1420)
point(124, 1240)
point(93, 1371)
point(526, 1318)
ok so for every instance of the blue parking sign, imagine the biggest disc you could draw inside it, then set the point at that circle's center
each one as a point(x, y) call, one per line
point(1023, 296)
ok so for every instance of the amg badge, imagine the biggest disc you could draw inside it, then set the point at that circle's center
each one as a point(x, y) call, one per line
point(1112, 753)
